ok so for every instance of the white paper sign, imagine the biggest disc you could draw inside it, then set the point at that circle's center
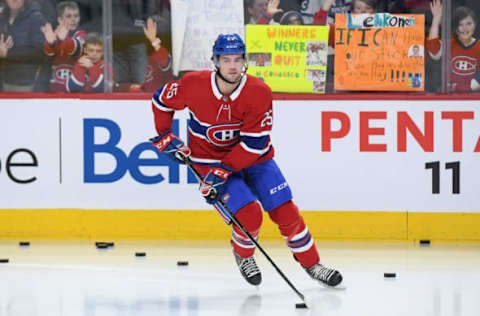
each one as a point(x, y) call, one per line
point(201, 22)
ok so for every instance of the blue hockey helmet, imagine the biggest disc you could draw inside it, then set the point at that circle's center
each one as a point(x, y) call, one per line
point(228, 44)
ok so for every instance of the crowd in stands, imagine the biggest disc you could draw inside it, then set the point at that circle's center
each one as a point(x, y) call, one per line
point(57, 46)
point(465, 47)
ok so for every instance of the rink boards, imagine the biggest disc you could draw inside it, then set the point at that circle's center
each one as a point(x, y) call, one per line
point(358, 169)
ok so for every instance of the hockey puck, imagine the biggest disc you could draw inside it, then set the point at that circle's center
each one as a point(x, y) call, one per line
point(424, 242)
point(182, 263)
point(140, 254)
point(300, 305)
point(389, 275)
point(102, 245)
point(4, 260)
point(24, 243)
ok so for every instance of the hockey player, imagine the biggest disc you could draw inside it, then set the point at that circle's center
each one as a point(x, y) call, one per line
point(64, 44)
point(229, 144)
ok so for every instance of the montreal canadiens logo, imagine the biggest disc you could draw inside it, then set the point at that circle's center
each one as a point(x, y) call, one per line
point(224, 135)
point(149, 76)
point(62, 72)
point(464, 65)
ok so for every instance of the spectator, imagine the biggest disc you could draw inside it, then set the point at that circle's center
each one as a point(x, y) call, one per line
point(87, 75)
point(310, 7)
point(64, 44)
point(21, 45)
point(130, 56)
point(464, 47)
point(159, 69)
point(253, 10)
point(288, 18)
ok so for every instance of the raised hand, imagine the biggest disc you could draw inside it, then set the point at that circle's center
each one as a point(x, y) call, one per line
point(48, 32)
point(5, 45)
point(62, 31)
point(150, 30)
point(436, 9)
point(272, 7)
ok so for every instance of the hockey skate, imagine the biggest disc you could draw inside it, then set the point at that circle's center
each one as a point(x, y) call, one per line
point(325, 275)
point(248, 268)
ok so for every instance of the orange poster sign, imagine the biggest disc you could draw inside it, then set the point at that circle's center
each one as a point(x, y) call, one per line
point(382, 52)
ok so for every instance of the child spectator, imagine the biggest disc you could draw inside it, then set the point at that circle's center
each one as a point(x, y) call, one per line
point(159, 69)
point(21, 45)
point(464, 48)
point(64, 44)
point(87, 75)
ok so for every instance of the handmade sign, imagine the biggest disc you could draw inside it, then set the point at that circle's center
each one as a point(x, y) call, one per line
point(288, 58)
point(379, 52)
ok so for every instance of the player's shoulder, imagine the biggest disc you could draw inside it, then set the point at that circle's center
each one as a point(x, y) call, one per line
point(257, 85)
point(197, 76)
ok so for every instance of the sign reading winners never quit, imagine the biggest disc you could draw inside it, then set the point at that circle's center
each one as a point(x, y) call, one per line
point(381, 52)
point(288, 58)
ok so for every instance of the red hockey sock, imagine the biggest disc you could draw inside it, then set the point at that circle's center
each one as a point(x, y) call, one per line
point(250, 216)
point(293, 229)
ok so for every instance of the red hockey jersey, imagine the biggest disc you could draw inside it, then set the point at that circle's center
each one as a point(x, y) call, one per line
point(64, 54)
point(464, 62)
point(233, 130)
point(159, 70)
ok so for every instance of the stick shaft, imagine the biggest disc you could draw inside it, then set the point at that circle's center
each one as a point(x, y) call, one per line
point(242, 228)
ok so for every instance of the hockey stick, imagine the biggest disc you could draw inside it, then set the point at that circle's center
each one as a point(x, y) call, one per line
point(242, 228)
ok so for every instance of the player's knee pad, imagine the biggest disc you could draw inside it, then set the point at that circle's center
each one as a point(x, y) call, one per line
point(288, 219)
point(250, 216)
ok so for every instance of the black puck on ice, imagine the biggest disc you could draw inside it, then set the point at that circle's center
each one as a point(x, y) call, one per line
point(24, 243)
point(424, 242)
point(4, 260)
point(140, 254)
point(300, 305)
point(102, 244)
point(182, 263)
point(389, 275)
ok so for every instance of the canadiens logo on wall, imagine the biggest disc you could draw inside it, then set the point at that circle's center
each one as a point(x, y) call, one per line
point(224, 134)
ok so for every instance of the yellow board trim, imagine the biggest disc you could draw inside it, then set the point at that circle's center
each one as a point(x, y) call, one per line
point(207, 225)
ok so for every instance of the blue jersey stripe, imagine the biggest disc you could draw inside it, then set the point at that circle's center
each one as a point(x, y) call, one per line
point(257, 143)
